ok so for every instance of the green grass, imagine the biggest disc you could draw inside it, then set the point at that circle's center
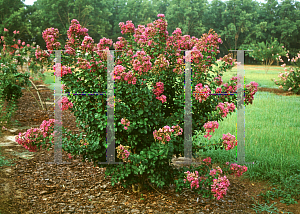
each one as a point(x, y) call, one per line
point(257, 74)
point(272, 133)
point(3, 161)
point(49, 79)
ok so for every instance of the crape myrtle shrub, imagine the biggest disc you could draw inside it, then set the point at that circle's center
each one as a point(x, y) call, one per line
point(136, 103)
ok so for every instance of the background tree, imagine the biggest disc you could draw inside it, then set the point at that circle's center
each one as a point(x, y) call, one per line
point(188, 16)
point(12, 16)
point(238, 22)
point(267, 52)
point(139, 12)
point(238, 19)
point(59, 14)
point(289, 25)
point(213, 17)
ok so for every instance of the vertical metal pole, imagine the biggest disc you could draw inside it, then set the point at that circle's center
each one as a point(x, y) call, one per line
point(110, 128)
point(58, 122)
point(240, 108)
point(57, 114)
point(188, 109)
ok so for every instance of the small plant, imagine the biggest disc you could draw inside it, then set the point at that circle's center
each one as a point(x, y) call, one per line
point(142, 197)
point(270, 209)
point(4, 162)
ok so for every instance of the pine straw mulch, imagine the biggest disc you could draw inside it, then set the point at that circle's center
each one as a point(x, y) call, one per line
point(78, 187)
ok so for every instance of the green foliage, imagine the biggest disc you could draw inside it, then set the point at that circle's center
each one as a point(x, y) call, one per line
point(238, 22)
point(187, 16)
point(292, 82)
point(10, 88)
point(265, 52)
point(149, 159)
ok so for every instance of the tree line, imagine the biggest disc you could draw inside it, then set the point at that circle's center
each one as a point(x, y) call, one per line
point(238, 22)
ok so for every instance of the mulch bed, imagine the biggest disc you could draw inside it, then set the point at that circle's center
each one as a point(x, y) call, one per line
point(78, 187)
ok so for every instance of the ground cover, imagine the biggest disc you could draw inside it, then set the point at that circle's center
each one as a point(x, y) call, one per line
point(270, 121)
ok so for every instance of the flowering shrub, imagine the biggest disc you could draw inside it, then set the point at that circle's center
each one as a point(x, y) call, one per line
point(148, 129)
point(290, 81)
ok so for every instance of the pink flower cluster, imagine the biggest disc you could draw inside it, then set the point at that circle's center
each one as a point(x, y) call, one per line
point(39, 54)
point(83, 64)
point(207, 161)
point(214, 171)
point(253, 89)
point(142, 62)
point(188, 43)
point(87, 44)
point(285, 75)
point(208, 43)
point(144, 36)
point(229, 140)
point(103, 43)
point(178, 69)
point(219, 90)
point(238, 170)
point(27, 138)
point(225, 108)
point(218, 80)
point(46, 125)
point(16, 46)
point(125, 121)
point(159, 90)
point(210, 126)
point(123, 153)
point(64, 70)
point(161, 24)
point(193, 178)
point(196, 54)
point(161, 62)
point(165, 133)
point(75, 29)
point(50, 35)
point(228, 60)
point(74, 34)
point(232, 87)
point(201, 93)
point(65, 103)
point(128, 28)
point(220, 187)
point(119, 45)
point(121, 75)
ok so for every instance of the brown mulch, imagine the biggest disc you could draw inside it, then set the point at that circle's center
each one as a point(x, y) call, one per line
point(277, 91)
point(78, 187)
